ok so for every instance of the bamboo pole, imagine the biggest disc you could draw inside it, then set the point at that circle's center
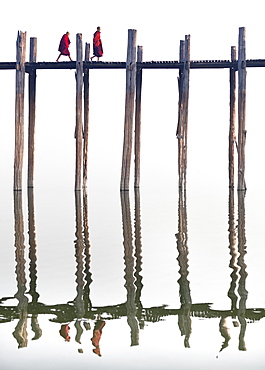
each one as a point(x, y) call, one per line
point(129, 109)
point(241, 107)
point(32, 112)
point(19, 109)
point(137, 133)
point(78, 128)
point(232, 135)
point(86, 116)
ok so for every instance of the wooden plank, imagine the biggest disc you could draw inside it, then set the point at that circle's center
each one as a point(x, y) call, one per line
point(79, 105)
point(19, 109)
point(129, 109)
point(32, 112)
point(241, 107)
point(232, 120)
point(137, 132)
point(86, 116)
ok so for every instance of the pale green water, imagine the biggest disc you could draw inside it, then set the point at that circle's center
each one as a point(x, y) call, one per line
point(176, 290)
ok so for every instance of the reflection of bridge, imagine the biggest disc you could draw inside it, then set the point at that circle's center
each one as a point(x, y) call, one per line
point(81, 309)
point(67, 312)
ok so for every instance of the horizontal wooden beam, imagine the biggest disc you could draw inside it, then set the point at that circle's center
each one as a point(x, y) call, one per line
point(194, 64)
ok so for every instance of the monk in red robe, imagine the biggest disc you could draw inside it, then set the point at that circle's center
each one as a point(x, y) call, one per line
point(97, 45)
point(64, 46)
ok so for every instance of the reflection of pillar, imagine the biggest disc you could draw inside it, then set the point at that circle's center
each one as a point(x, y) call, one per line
point(33, 262)
point(20, 332)
point(184, 319)
point(88, 275)
point(129, 267)
point(233, 250)
point(232, 264)
point(138, 254)
point(243, 293)
point(79, 248)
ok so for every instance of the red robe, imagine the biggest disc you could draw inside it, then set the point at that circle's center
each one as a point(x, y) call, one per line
point(64, 45)
point(97, 332)
point(97, 45)
point(64, 332)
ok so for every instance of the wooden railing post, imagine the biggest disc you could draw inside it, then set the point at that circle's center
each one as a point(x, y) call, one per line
point(129, 109)
point(32, 112)
point(19, 109)
point(78, 128)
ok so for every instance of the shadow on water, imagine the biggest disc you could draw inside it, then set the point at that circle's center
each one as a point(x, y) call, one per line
point(80, 310)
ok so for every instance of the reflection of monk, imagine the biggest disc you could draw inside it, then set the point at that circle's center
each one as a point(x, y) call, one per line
point(97, 332)
point(64, 332)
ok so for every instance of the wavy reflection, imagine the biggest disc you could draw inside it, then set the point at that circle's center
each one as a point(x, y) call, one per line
point(242, 291)
point(129, 268)
point(79, 257)
point(237, 248)
point(184, 318)
point(33, 263)
point(20, 332)
point(138, 256)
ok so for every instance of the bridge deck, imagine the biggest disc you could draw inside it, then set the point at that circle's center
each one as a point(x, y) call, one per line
point(194, 64)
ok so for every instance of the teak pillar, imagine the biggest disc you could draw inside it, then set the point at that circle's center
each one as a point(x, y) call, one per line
point(182, 129)
point(32, 112)
point(19, 109)
point(137, 134)
point(78, 127)
point(129, 109)
point(232, 135)
point(86, 116)
point(241, 107)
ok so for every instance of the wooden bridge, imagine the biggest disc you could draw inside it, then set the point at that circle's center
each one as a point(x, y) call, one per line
point(134, 66)
point(194, 64)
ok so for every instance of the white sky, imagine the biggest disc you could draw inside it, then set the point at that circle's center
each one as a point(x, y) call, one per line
point(213, 27)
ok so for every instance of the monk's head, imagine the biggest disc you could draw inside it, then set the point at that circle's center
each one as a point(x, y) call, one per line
point(98, 28)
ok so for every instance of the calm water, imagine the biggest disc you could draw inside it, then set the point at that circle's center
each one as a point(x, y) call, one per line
point(168, 284)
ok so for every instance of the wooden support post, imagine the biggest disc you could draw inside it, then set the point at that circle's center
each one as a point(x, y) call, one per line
point(182, 129)
point(241, 107)
point(137, 134)
point(129, 109)
point(32, 112)
point(86, 116)
point(179, 132)
point(232, 135)
point(78, 127)
point(19, 109)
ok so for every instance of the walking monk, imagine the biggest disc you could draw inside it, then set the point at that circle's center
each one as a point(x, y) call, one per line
point(64, 46)
point(97, 45)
